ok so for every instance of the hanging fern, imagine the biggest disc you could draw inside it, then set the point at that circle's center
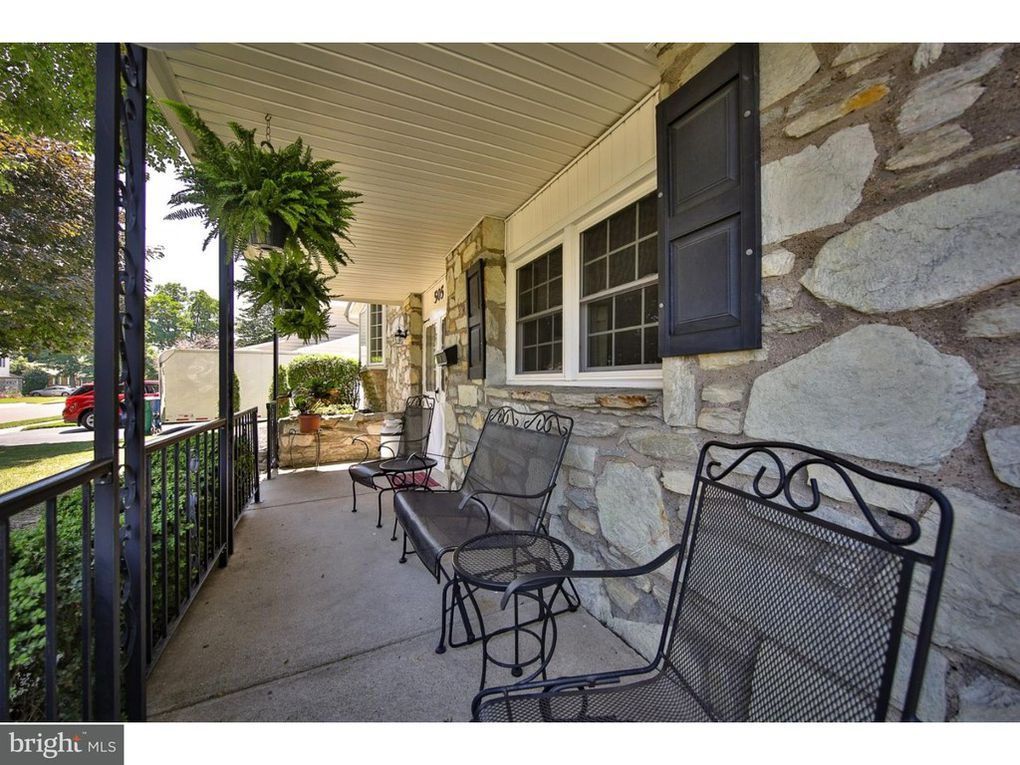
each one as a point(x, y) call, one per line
point(238, 188)
point(296, 291)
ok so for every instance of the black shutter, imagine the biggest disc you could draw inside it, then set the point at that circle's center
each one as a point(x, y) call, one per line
point(709, 168)
point(476, 321)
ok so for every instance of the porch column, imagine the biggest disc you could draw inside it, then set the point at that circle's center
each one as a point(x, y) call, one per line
point(226, 412)
point(106, 349)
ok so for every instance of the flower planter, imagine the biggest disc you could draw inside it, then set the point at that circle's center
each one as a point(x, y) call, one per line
point(309, 423)
point(275, 237)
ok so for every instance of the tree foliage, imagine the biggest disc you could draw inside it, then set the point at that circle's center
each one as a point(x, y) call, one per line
point(49, 89)
point(46, 246)
point(299, 295)
point(174, 314)
point(254, 325)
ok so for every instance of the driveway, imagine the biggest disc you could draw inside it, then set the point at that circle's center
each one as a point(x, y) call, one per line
point(15, 412)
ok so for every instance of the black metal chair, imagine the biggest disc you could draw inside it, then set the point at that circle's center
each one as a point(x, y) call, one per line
point(414, 440)
point(780, 609)
point(510, 477)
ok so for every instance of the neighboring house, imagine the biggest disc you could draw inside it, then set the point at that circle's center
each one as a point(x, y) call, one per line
point(10, 384)
point(813, 243)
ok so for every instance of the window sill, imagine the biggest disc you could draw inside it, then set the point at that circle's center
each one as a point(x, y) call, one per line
point(632, 378)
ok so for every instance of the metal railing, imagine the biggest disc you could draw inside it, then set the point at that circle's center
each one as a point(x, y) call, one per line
point(49, 633)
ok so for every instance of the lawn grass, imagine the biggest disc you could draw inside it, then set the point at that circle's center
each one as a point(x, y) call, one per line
point(31, 400)
point(21, 465)
point(33, 421)
point(58, 423)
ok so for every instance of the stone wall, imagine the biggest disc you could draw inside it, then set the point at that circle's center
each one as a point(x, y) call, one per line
point(10, 386)
point(336, 444)
point(892, 335)
point(403, 358)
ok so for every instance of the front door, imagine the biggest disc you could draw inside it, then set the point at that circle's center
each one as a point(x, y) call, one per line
point(433, 386)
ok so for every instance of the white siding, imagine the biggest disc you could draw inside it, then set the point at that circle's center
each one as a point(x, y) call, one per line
point(625, 151)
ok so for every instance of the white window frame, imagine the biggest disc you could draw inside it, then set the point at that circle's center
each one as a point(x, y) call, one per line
point(569, 237)
point(368, 337)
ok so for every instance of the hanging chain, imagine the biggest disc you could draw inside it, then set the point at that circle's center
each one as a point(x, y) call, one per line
point(269, 134)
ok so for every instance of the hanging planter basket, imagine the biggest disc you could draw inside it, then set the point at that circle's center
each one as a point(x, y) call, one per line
point(274, 239)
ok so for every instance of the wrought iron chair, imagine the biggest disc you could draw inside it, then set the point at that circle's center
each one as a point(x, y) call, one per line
point(510, 477)
point(780, 608)
point(414, 440)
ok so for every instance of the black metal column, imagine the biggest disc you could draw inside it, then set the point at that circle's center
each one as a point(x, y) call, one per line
point(227, 398)
point(106, 339)
point(135, 492)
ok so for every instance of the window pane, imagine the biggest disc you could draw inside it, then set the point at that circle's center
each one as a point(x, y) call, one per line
point(651, 304)
point(648, 257)
point(595, 277)
point(648, 220)
point(557, 356)
point(545, 329)
point(593, 242)
point(555, 293)
point(627, 347)
point(621, 267)
point(599, 350)
point(651, 345)
point(556, 262)
point(622, 227)
point(528, 360)
point(530, 332)
point(539, 269)
point(540, 298)
point(545, 357)
point(524, 304)
point(628, 309)
point(524, 278)
point(600, 315)
point(557, 331)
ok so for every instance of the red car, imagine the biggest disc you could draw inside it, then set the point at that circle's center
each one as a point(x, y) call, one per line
point(79, 407)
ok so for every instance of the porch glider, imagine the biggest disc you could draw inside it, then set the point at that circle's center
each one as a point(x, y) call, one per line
point(507, 486)
point(783, 610)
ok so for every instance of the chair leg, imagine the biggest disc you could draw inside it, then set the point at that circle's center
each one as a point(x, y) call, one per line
point(441, 648)
point(378, 523)
point(393, 537)
point(354, 492)
point(403, 554)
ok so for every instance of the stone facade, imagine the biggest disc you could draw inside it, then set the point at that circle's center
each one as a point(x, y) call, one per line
point(403, 358)
point(891, 280)
point(10, 386)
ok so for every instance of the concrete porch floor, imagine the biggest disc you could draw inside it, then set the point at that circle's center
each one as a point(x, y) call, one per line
point(314, 619)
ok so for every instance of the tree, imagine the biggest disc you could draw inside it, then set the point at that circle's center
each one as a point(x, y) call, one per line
point(46, 246)
point(166, 316)
point(204, 313)
point(49, 89)
point(254, 327)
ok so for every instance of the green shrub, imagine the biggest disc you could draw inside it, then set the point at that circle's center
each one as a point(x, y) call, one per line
point(284, 388)
point(334, 379)
point(33, 377)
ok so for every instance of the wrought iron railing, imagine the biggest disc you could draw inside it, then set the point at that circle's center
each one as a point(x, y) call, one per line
point(48, 592)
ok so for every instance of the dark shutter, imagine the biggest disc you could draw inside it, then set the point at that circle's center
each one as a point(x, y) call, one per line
point(709, 169)
point(476, 321)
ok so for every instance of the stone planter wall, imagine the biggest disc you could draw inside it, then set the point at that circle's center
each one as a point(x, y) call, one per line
point(335, 433)
point(891, 300)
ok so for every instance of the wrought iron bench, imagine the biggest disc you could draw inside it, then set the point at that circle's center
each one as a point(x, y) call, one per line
point(781, 608)
point(414, 440)
point(509, 479)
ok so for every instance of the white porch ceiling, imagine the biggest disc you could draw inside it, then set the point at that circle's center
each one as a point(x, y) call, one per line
point(433, 136)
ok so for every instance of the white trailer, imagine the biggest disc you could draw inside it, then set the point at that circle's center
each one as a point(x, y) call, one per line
point(189, 381)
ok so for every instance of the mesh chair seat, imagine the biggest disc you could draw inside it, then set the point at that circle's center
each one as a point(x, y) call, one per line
point(435, 525)
point(660, 698)
point(365, 473)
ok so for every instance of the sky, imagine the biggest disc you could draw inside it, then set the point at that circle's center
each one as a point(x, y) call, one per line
point(185, 261)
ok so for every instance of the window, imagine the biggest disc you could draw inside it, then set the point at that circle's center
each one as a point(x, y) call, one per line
point(619, 289)
point(375, 334)
point(540, 313)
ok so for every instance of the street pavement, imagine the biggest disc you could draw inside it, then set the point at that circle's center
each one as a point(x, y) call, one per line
point(16, 412)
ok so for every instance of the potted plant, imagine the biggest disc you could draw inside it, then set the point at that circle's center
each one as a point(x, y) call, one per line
point(308, 419)
point(292, 207)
